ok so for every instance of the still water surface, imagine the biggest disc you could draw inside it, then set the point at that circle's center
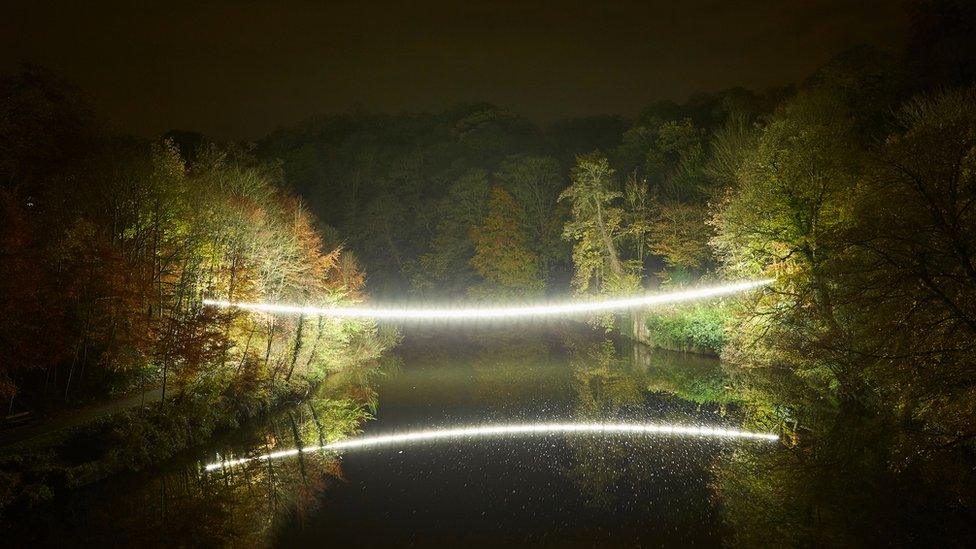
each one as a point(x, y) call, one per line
point(558, 489)
point(550, 490)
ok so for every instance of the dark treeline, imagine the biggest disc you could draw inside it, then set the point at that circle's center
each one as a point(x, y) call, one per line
point(415, 194)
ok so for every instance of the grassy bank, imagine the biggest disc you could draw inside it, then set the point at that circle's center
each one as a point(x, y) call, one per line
point(696, 328)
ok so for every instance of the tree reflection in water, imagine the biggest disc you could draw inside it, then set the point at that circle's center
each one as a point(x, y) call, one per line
point(182, 504)
point(846, 482)
point(843, 477)
point(657, 478)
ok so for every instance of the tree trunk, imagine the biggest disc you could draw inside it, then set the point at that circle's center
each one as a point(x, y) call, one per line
point(615, 265)
point(297, 348)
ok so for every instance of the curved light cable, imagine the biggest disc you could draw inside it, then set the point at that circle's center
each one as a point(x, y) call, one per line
point(510, 430)
point(483, 313)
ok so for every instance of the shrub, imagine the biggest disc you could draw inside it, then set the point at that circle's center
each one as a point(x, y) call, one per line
point(696, 328)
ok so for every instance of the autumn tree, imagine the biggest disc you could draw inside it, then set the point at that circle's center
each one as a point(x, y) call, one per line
point(502, 255)
point(446, 267)
point(535, 183)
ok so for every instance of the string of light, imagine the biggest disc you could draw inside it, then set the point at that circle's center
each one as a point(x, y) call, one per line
point(499, 312)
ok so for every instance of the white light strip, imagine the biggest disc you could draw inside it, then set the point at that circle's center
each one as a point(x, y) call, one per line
point(499, 312)
point(485, 431)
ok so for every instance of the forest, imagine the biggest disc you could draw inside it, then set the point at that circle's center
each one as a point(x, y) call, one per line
point(109, 244)
point(854, 189)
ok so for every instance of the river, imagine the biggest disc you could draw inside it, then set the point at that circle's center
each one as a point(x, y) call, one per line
point(565, 490)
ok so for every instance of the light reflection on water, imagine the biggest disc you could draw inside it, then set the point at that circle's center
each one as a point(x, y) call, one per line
point(510, 430)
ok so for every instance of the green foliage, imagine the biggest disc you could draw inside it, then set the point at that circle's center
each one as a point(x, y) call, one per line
point(446, 268)
point(678, 161)
point(785, 220)
point(697, 328)
point(596, 225)
point(118, 248)
point(694, 378)
point(388, 184)
point(793, 193)
point(864, 219)
point(679, 233)
point(912, 286)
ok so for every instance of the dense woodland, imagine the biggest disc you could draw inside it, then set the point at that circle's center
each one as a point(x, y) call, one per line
point(110, 246)
point(854, 189)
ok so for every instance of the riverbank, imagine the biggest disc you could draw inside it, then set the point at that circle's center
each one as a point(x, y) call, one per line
point(68, 457)
point(694, 328)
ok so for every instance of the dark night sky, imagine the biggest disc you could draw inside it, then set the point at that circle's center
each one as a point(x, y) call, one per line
point(240, 69)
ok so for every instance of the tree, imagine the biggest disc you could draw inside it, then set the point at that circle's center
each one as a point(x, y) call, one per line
point(534, 182)
point(446, 268)
point(596, 226)
point(784, 220)
point(502, 256)
point(639, 215)
point(667, 190)
point(912, 281)
point(679, 233)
